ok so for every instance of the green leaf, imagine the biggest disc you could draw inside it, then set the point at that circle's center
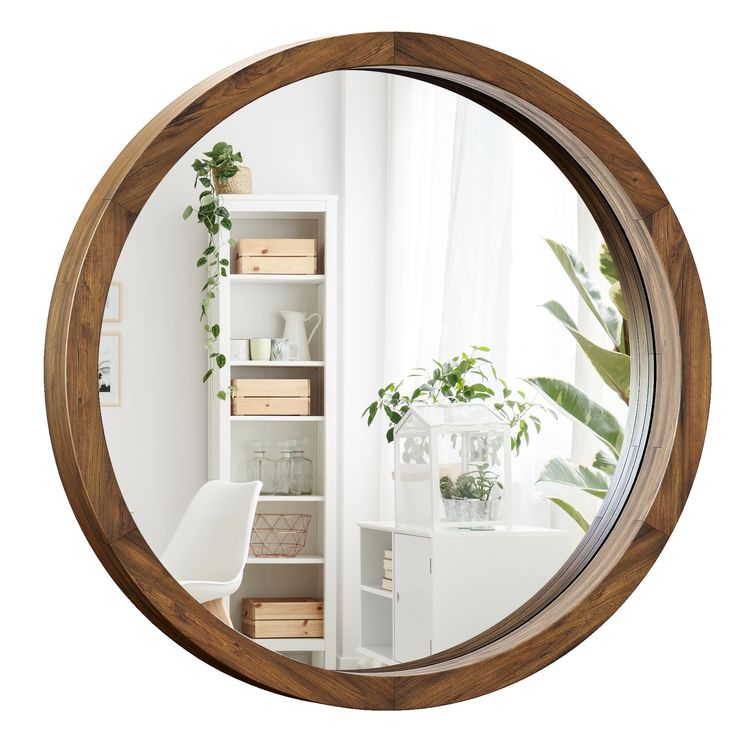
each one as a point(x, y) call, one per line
point(224, 262)
point(613, 367)
point(206, 198)
point(590, 480)
point(390, 435)
point(605, 462)
point(205, 182)
point(606, 265)
point(209, 249)
point(220, 360)
point(597, 302)
point(216, 330)
point(617, 297)
point(201, 261)
point(578, 406)
point(188, 211)
point(221, 395)
point(207, 374)
point(571, 511)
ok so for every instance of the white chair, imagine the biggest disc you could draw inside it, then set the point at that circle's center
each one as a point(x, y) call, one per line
point(209, 549)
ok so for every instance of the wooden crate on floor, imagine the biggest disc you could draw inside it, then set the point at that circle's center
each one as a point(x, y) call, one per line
point(273, 618)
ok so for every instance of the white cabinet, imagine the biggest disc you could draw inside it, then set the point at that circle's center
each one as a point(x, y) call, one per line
point(448, 586)
point(413, 597)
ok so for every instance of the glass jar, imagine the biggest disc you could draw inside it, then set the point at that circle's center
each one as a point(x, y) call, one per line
point(282, 480)
point(301, 474)
point(261, 468)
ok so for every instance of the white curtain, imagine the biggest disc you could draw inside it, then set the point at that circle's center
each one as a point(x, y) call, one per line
point(469, 201)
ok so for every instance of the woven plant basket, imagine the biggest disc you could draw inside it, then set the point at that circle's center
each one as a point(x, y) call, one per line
point(279, 535)
point(241, 183)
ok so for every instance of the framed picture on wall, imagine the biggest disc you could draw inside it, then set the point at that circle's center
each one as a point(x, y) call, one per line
point(114, 303)
point(109, 369)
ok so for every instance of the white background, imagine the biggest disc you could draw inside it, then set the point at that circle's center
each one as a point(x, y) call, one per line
point(79, 80)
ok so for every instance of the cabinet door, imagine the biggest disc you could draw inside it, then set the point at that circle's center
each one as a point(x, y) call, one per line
point(413, 586)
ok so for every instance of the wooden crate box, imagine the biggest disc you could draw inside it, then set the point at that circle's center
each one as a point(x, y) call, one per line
point(271, 397)
point(283, 617)
point(276, 256)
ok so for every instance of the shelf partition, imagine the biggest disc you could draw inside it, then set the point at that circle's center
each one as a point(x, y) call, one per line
point(298, 560)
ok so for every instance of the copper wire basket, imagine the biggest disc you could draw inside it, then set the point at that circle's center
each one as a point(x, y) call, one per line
point(279, 535)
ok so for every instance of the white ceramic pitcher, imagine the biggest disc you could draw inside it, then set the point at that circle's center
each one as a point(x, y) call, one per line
point(296, 332)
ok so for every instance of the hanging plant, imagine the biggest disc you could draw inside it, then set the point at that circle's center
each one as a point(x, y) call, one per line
point(219, 165)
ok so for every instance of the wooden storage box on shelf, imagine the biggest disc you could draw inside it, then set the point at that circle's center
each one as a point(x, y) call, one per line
point(291, 256)
point(271, 397)
point(273, 618)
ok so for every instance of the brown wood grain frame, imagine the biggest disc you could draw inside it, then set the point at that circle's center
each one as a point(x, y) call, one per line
point(670, 373)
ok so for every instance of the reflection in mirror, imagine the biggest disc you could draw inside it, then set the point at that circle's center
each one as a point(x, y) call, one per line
point(370, 393)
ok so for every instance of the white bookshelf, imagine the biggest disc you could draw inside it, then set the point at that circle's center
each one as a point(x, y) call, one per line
point(248, 306)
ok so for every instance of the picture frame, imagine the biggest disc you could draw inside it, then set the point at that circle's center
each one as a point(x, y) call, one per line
point(109, 369)
point(113, 311)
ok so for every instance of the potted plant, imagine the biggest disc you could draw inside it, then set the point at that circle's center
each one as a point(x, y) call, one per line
point(461, 379)
point(213, 173)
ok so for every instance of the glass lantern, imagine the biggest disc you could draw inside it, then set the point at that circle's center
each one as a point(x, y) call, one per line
point(452, 468)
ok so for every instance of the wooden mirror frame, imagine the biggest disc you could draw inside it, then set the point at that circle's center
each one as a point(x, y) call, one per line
point(670, 374)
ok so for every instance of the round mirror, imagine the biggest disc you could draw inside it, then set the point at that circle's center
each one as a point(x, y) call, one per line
point(378, 391)
point(418, 339)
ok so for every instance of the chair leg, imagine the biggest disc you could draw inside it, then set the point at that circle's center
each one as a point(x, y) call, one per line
point(218, 609)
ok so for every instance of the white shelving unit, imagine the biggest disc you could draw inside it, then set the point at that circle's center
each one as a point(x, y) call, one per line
point(248, 306)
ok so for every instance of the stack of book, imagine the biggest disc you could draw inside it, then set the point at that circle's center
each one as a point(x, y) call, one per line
point(388, 570)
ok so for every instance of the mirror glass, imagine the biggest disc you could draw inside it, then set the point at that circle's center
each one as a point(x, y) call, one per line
point(366, 399)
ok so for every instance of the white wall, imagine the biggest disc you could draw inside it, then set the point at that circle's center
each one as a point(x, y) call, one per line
point(157, 438)
point(361, 338)
point(293, 141)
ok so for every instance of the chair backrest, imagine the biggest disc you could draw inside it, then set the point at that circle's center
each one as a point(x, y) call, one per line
point(212, 539)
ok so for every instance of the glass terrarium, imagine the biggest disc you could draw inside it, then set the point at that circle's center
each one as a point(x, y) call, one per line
point(452, 468)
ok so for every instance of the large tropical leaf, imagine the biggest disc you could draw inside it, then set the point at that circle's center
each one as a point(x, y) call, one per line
point(590, 480)
point(613, 367)
point(617, 297)
point(571, 511)
point(581, 408)
point(606, 265)
point(598, 302)
point(605, 462)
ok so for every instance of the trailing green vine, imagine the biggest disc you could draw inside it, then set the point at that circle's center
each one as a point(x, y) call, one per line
point(220, 162)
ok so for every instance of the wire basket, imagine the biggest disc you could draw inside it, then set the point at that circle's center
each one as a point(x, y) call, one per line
point(279, 535)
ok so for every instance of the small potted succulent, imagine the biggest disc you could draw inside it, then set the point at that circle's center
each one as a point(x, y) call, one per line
point(470, 496)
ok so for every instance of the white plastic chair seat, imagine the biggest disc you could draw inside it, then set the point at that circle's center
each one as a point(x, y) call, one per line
point(208, 590)
point(208, 551)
